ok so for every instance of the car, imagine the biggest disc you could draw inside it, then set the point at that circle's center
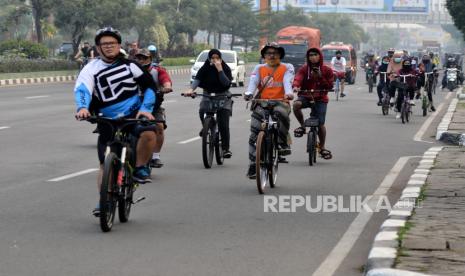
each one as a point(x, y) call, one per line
point(66, 50)
point(231, 58)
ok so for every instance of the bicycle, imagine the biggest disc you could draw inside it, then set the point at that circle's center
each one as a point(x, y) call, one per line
point(313, 123)
point(385, 103)
point(425, 103)
point(267, 158)
point(337, 86)
point(406, 108)
point(371, 80)
point(118, 185)
point(435, 80)
point(211, 138)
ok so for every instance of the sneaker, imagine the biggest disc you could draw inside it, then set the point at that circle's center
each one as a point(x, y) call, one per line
point(282, 159)
point(156, 163)
point(343, 95)
point(96, 211)
point(284, 150)
point(95, 130)
point(227, 154)
point(411, 102)
point(252, 172)
point(433, 109)
point(142, 175)
point(397, 115)
point(379, 103)
point(392, 101)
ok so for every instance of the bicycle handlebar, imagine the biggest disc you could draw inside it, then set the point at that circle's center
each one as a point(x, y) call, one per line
point(212, 95)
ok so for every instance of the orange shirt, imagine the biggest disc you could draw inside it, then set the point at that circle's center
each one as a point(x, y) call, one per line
point(275, 87)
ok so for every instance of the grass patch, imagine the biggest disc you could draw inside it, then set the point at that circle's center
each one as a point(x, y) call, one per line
point(39, 74)
point(461, 105)
point(179, 61)
point(402, 231)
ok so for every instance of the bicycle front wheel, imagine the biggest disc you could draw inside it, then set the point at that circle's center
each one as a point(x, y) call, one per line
point(311, 147)
point(261, 163)
point(273, 162)
point(208, 142)
point(109, 192)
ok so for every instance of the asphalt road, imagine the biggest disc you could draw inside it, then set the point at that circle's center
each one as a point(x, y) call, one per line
point(194, 221)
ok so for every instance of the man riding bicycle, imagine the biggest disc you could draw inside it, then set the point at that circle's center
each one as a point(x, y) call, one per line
point(427, 66)
point(113, 84)
point(338, 64)
point(313, 76)
point(164, 86)
point(87, 54)
point(383, 78)
point(274, 81)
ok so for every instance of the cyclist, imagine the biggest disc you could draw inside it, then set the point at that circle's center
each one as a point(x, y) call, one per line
point(313, 75)
point(410, 87)
point(338, 64)
point(372, 64)
point(86, 53)
point(215, 77)
point(382, 69)
point(156, 57)
point(395, 64)
point(427, 66)
point(112, 83)
point(164, 85)
point(390, 53)
point(274, 81)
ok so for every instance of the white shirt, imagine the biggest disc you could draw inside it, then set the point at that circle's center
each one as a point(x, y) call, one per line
point(338, 65)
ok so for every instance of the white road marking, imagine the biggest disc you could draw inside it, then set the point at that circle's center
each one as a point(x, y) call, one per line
point(345, 244)
point(170, 101)
point(37, 97)
point(4, 127)
point(72, 175)
point(189, 140)
point(428, 122)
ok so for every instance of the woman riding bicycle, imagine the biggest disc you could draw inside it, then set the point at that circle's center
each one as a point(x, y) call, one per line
point(409, 84)
point(382, 69)
point(215, 77)
point(317, 76)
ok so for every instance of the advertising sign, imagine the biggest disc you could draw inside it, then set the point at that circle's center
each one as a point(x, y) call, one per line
point(358, 6)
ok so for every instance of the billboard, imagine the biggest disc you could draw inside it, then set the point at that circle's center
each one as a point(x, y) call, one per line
point(358, 6)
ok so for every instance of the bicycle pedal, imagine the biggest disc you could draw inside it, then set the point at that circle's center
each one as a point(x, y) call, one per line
point(138, 200)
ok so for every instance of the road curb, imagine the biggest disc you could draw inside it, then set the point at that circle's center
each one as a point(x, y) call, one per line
point(383, 253)
point(442, 133)
point(25, 81)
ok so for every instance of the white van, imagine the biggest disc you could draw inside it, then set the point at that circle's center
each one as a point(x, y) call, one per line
point(232, 60)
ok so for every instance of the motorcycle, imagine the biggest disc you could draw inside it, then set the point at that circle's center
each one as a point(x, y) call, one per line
point(451, 76)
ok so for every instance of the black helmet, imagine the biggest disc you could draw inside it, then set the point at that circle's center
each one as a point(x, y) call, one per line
point(273, 45)
point(338, 52)
point(107, 31)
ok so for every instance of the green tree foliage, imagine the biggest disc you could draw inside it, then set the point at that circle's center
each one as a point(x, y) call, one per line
point(13, 19)
point(457, 11)
point(337, 27)
point(75, 17)
point(23, 48)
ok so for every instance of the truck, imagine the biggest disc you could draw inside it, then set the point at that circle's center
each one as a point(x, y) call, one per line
point(296, 40)
point(432, 46)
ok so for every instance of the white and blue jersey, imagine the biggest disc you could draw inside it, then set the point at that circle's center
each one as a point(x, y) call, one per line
point(117, 88)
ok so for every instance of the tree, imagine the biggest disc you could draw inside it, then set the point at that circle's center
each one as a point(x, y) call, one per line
point(12, 17)
point(76, 16)
point(40, 11)
point(457, 11)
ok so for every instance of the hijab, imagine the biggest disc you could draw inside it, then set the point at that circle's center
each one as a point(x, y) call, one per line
point(209, 76)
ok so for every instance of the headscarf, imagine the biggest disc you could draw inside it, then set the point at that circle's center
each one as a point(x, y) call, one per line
point(209, 76)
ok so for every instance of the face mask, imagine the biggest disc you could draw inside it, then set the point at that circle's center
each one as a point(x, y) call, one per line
point(406, 67)
point(397, 59)
point(146, 66)
point(385, 62)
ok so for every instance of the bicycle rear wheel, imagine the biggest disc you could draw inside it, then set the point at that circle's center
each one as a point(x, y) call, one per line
point(261, 165)
point(208, 142)
point(370, 85)
point(311, 147)
point(424, 105)
point(403, 112)
point(218, 150)
point(108, 192)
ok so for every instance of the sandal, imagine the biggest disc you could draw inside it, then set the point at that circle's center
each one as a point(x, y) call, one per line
point(325, 154)
point(299, 132)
